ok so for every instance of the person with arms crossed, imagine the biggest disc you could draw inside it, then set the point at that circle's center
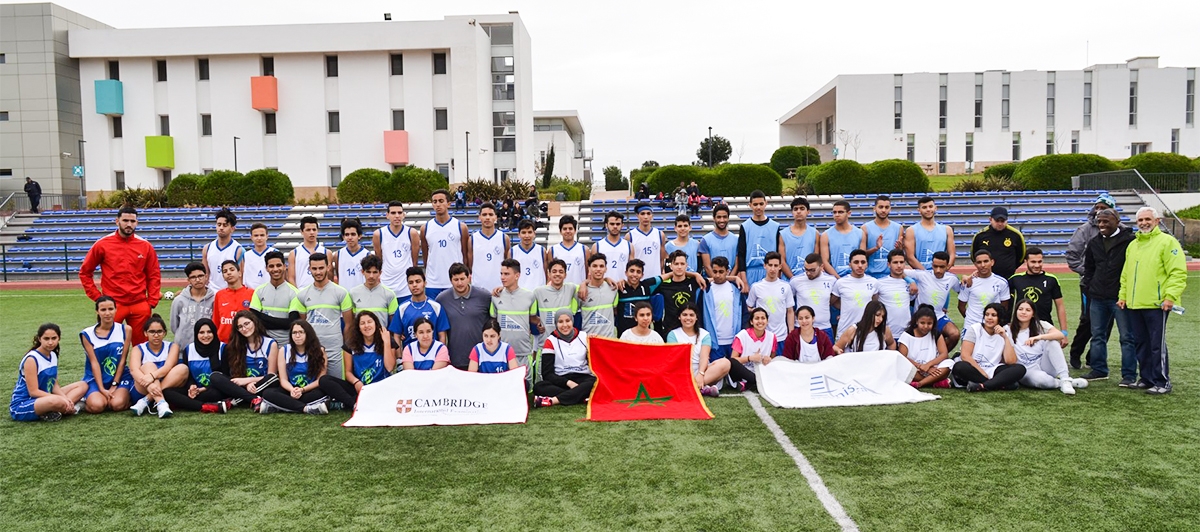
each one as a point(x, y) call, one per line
point(254, 271)
point(397, 245)
point(1152, 280)
point(927, 237)
point(403, 322)
point(531, 256)
point(649, 243)
point(1103, 262)
point(775, 295)
point(838, 242)
point(222, 248)
point(981, 289)
point(883, 236)
point(684, 242)
point(1005, 244)
point(105, 371)
point(230, 300)
point(1040, 288)
point(617, 249)
point(1076, 249)
point(347, 262)
point(988, 362)
point(719, 243)
point(466, 309)
point(517, 311)
point(489, 247)
point(933, 288)
point(192, 303)
point(570, 251)
point(444, 241)
point(325, 307)
point(598, 300)
point(129, 273)
point(756, 237)
point(812, 288)
point(37, 395)
point(298, 258)
point(852, 293)
point(276, 303)
point(799, 240)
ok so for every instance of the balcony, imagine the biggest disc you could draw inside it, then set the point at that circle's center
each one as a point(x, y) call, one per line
point(160, 152)
point(110, 97)
point(264, 93)
point(395, 147)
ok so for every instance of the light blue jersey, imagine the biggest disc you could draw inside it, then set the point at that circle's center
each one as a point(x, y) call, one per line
point(840, 246)
point(877, 263)
point(692, 249)
point(760, 240)
point(715, 245)
point(798, 247)
point(926, 242)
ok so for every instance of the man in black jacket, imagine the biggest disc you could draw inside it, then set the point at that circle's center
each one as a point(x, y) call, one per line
point(34, 191)
point(1103, 260)
point(1006, 245)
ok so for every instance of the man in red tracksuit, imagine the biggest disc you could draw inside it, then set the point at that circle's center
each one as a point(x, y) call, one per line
point(129, 273)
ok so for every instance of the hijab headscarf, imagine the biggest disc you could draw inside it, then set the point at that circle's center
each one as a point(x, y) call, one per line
point(211, 350)
point(574, 332)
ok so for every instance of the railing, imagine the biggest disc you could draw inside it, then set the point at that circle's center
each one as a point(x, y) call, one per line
point(8, 209)
point(1145, 184)
point(48, 202)
point(11, 263)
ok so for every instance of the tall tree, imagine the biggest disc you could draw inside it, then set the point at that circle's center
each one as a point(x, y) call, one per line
point(614, 179)
point(721, 150)
point(548, 172)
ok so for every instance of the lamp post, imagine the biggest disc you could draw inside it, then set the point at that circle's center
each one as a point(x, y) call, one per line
point(235, 139)
point(82, 177)
point(468, 150)
point(710, 161)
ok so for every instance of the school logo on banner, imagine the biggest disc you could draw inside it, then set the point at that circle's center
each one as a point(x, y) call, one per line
point(446, 396)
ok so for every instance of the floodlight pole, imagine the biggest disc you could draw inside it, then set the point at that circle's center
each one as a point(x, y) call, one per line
point(235, 139)
point(710, 161)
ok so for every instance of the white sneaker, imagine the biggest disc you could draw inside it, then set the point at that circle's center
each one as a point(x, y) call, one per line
point(78, 407)
point(1080, 383)
point(140, 406)
point(265, 407)
point(317, 409)
point(164, 411)
point(1066, 387)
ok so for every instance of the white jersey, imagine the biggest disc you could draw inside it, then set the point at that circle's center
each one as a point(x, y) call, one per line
point(776, 297)
point(923, 349)
point(214, 255)
point(648, 247)
point(893, 293)
point(303, 277)
point(254, 273)
point(933, 291)
point(486, 255)
point(814, 293)
point(855, 293)
point(159, 358)
point(575, 258)
point(445, 248)
point(350, 272)
point(617, 255)
point(397, 258)
point(533, 272)
point(982, 292)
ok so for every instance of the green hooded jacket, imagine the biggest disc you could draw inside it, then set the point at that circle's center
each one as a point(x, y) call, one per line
point(1155, 269)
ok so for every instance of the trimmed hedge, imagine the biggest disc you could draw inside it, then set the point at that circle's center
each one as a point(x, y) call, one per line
point(842, 176)
point(1000, 170)
point(896, 175)
point(887, 176)
point(185, 190)
point(411, 184)
point(802, 173)
point(265, 186)
point(364, 185)
point(219, 188)
point(1159, 163)
point(740, 180)
point(787, 157)
point(228, 188)
point(666, 179)
point(1054, 172)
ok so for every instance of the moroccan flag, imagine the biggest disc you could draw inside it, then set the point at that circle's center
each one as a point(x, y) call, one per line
point(635, 381)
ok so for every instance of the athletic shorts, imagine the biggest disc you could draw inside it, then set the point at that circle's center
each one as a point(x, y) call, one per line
point(829, 333)
point(941, 323)
point(126, 382)
point(719, 352)
point(23, 410)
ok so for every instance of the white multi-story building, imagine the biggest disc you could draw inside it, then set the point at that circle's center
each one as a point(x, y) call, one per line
point(314, 101)
point(961, 121)
point(563, 131)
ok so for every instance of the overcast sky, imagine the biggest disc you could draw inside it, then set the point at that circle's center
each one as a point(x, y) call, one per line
point(649, 77)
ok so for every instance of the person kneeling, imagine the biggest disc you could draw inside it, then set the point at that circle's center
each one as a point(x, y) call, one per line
point(566, 377)
point(1039, 349)
point(989, 360)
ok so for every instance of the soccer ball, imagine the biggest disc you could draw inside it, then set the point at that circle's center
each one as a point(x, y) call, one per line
point(168, 295)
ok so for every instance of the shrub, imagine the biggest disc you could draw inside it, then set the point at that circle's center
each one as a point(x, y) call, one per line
point(411, 184)
point(220, 188)
point(495, 193)
point(571, 190)
point(896, 175)
point(842, 176)
point(185, 190)
point(1000, 170)
point(666, 179)
point(364, 185)
point(802, 173)
point(987, 184)
point(140, 198)
point(1196, 164)
point(265, 186)
point(788, 157)
point(639, 176)
point(1158, 163)
point(1053, 172)
point(740, 180)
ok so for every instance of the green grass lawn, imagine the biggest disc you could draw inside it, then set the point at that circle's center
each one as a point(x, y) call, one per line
point(1105, 459)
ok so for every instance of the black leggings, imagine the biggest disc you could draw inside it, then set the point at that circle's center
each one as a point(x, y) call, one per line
point(565, 395)
point(338, 390)
point(739, 372)
point(226, 386)
point(179, 400)
point(281, 398)
point(1004, 376)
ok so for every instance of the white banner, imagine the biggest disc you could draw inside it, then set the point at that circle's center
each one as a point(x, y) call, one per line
point(447, 396)
point(852, 379)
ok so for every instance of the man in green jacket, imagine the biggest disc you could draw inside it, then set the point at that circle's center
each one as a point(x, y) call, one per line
point(1153, 279)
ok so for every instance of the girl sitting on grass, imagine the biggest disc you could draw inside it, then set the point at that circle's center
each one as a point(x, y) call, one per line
point(151, 364)
point(425, 353)
point(366, 358)
point(491, 355)
point(753, 345)
point(705, 374)
point(1038, 349)
point(989, 360)
point(303, 365)
point(566, 377)
point(926, 350)
point(107, 348)
point(203, 357)
point(871, 333)
point(37, 395)
point(806, 343)
point(643, 332)
point(252, 357)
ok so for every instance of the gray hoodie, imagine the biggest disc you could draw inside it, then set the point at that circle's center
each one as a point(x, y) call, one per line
point(1079, 239)
point(185, 311)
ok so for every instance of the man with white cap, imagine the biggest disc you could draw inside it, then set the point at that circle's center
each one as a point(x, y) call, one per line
point(1076, 251)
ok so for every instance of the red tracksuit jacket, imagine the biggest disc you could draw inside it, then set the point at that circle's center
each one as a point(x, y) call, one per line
point(129, 270)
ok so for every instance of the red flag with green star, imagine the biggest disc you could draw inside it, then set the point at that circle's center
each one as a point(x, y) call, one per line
point(636, 381)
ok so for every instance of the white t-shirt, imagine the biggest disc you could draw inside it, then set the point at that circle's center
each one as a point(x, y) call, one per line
point(893, 293)
point(923, 349)
point(677, 336)
point(814, 293)
point(651, 339)
point(725, 297)
point(855, 293)
point(983, 292)
point(933, 291)
point(775, 296)
point(1029, 356)
point(809, 353)
point(747, 345)
point(870, 343)
point(989, 348)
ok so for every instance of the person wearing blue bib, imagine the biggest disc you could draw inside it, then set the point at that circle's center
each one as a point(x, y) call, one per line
point(838, 241)
point(38, 395)
point(927, 237)
point(301, 367)
point(883, 236)
point(202, 358)
point(719, 243)
point(367, 358)
point(153, 366)
point(685, 243)
point(106, 346)
point(492, 355)
point(425, 353)
point(757, 237)
point(799, 240)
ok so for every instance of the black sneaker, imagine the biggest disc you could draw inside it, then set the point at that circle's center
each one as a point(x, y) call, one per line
point(1141, 385)
point(1075, 362)
point(975, 387)
point(51, 416)
point(1095, 376)
point(1126, 383)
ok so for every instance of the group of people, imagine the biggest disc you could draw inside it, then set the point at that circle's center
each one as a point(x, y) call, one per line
point(306, 330)
point(510, 211)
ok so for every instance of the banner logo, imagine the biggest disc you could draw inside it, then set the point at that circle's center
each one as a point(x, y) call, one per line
point(404, 406)
point(827, 387)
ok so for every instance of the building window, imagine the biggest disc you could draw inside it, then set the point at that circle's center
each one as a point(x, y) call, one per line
point(829, 130)
point(202, 69)
point(205, 125)
point(942, 93)
point(269, 123)
point(1016, 154)
point(3, 116)
point(439, 63)
point(502, 35)
point(942, 153)
point(268, 66)
point(505, 144)
point(1087, 99)
point(898, 103)
point(207, 171)
point(114, 70)
point(331, 66)
point(335, 176)
point(1133, 90)
point(1138, 148)
point(970, 147)
point(1050, 100)
point(820, 131)
point(397, 64)
point(1004, 88)
point(5, 172)
point(502, 64)
point(504, 124)
point(118, 130)
point(912, 147)
point(3, 59)
point(1189, 113)
point(1175, 141)
point(503, 87)
point(161, 67)
point(166, 177)
point(444, 169)
point(978, 101)
point(120, 179)
point(164, 125)
point(334, 122)
point(1049, 143)
point(1075, 141)
point(398, 120)
point(441, 120)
